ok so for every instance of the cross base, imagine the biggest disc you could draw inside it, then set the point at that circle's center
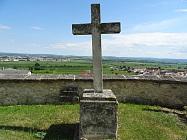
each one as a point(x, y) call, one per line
point(98, 115)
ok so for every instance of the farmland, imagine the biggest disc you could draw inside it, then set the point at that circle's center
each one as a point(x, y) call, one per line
point(78, 65)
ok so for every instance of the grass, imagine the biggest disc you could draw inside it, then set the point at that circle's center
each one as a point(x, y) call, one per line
point(50, 122)
point(140, 122)
point(30, 122)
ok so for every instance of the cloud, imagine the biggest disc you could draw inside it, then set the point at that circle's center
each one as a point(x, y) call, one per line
point(181, 10)
point(37, 28)
point(151, 39)
point(79, 48)
point(4, 27)
point(34, 45)
point(148, 45)
point(46, 47)
point(81, 45)
point(156, 26)
point(160, 45)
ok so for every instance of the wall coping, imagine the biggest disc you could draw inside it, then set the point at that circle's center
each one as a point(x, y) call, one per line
point(159, 78)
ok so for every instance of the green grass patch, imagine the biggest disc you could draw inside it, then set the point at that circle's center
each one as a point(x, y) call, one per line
point(140, 122)
point(36, 122)
point(57, 122)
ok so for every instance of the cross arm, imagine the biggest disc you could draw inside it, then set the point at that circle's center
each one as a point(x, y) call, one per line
point(108, 28)
point(81, 29)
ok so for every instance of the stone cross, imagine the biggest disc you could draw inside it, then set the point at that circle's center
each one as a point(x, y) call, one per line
point(96, 28)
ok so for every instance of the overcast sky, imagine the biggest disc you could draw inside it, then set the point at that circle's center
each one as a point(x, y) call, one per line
point(149, 28)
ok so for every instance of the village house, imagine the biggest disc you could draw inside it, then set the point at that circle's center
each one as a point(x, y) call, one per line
point(181, 74)
point(86, 72)
point(137, 70)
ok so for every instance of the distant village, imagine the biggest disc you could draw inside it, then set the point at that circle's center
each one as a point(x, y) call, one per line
point(11, 71)
point(135, 70)
point(155, 71)
point(33, 58)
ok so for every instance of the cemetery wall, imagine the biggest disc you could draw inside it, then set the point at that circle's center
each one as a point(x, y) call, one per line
point(45, 89)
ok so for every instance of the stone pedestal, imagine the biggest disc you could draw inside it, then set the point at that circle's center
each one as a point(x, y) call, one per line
point(98, 115)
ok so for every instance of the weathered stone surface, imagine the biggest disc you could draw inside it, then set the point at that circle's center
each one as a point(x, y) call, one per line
point(155, 91)
point(107, 95)
point(98, 115)
point(39, 100)
point(99, 108)
point(52, 99)
point(69, 93)
point(110, 28)
point(82, 29)
point(96, 28)
point(36, 77)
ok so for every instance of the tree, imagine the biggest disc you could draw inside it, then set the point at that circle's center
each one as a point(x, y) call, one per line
point(15, 67)
point(37, 65)
point(30, 68)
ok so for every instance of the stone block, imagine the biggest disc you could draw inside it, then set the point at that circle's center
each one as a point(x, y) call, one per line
point(69, 94)
point(98, 115)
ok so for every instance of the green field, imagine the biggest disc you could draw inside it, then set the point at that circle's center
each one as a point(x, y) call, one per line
point(57, 122)
point(76, 66)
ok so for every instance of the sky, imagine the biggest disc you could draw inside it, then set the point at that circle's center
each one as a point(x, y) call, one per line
point(149, 28)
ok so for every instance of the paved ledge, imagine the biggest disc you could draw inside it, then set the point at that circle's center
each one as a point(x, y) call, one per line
point(36, 77)
point(83, 77)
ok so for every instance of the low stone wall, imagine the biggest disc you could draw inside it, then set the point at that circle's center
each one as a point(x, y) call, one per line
point(45, 89)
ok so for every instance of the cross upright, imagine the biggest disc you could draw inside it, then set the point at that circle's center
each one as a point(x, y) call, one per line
point(96, 28)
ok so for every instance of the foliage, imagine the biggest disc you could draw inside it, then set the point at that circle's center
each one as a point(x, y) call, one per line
point(40, 135)
point(37, 65)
